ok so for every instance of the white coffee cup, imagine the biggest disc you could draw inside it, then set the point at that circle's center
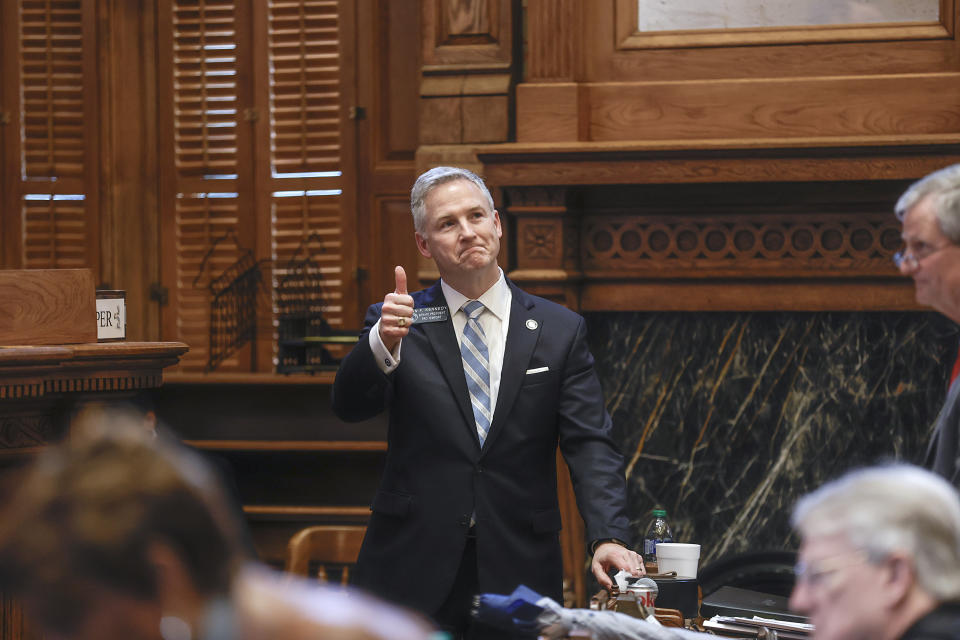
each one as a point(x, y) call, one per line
point(678, 556)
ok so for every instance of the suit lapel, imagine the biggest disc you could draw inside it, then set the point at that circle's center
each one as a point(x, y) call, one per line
point(443, 341)
point(521, 340)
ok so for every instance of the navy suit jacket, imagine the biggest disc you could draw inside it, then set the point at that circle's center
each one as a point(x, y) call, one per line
point(437, 475)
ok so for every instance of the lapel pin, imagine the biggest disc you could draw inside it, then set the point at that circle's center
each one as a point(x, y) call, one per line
point(532, 324)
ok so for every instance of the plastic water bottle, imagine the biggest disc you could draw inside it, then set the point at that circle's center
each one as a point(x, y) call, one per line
point(658, 531)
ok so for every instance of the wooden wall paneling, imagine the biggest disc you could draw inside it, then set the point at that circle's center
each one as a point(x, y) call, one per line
point(398, 55)
point(278, 441)
point(549, 101)
point(129, 209)
point(608, 58)
point(9, 140)
point(254, 355)
point(787, 60)
point(475, 33)
point(552, 112)
point(552, 51)
point(862, 294)
point(440, 110)
point(734, 109)
point(369, 41)
point(862, 83)
point(388, 54)
point(349, 162)
point(794, 108)
point(258, 119)
point(629, 37)
point(393, 246)
point(166, 173)
point(468, 71)
point(706, 161)
point(90, 125)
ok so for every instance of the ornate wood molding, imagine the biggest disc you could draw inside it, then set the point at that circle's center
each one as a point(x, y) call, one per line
point(751, 225)
point(754, 245)
point(24, 431)
point(829, 159)
point(38, 372)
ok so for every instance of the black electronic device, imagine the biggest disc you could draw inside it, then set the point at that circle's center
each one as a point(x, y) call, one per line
point(733, 601)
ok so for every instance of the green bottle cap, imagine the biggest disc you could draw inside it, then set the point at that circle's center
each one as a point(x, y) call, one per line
point(660, 512)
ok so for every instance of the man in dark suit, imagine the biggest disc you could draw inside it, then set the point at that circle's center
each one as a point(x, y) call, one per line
point(930, 212)
point(482, 382)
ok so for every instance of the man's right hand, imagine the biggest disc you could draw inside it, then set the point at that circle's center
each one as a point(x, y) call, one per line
point(397, 312)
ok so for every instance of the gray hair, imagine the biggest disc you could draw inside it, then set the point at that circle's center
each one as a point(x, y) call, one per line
point(898, 507)
point(434, 178)
point(944, 186)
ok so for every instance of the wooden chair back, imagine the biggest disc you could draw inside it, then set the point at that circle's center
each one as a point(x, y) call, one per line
point(669, 617)
point(316, 551)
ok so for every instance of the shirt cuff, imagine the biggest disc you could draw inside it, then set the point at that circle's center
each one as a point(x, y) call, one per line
point(386, 361)
point(598, 542)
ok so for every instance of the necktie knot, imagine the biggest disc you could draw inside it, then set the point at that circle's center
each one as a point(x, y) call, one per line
point(473, 308)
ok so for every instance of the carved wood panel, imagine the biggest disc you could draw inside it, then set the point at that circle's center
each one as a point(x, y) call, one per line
point(467, 32)
point(23, 431)
point(720, 246)
point(843, 244)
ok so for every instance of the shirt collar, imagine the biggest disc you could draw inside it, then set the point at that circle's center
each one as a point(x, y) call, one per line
point(495, 299)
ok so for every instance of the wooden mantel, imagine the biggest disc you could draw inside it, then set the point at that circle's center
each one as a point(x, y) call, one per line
point(712, 225)
point(831, 158)
point(33, 379)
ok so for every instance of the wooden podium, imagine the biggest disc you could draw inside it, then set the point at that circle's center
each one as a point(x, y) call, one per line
point(50, 363)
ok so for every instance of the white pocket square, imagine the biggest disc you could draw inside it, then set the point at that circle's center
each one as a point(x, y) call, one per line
point(538, 370)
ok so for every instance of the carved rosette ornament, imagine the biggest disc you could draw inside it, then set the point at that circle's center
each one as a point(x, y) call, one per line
point(18, 432)
point(819, 244)
point(539, 241)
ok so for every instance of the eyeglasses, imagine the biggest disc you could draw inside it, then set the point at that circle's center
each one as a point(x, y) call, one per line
point(815, 573)
point(911, 259)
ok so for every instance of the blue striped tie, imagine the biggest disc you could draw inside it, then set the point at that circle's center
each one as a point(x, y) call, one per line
point(476, 367)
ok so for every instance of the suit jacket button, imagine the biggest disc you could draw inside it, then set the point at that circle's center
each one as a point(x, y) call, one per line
point(478, 469)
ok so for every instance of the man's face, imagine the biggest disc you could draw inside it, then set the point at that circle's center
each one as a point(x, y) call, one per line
point(839, 590)
point(923, 239)
point(460, 232)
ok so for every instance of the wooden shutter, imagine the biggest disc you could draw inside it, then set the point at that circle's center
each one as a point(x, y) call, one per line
point(50, 101)
point(254, 162)
point(306, 159)
point(206, 224)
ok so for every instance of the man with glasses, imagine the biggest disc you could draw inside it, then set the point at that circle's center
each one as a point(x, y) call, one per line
point(880, 556)
point(930, 212)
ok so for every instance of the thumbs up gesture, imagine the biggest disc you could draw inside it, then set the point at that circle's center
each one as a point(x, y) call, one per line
point(396, 316)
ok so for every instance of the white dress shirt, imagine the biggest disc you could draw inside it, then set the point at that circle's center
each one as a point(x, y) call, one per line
point(495, 322)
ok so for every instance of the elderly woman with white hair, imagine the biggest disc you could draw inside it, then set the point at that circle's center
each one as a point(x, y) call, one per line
point(880, 556)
